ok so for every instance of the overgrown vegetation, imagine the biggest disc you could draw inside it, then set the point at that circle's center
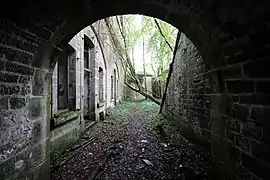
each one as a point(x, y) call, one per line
point(166, 129)
point(121, 113)
point(158, 36)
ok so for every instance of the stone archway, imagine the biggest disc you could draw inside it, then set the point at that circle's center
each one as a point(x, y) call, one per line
point(231, 36)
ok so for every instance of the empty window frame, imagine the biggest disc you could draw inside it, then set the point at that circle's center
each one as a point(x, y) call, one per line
point(66, 80)
point(101, 84)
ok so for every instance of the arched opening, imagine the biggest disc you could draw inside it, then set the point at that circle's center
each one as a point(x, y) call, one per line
point(231, 37)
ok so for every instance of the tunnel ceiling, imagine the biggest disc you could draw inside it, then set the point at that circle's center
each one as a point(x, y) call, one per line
point(206, 23)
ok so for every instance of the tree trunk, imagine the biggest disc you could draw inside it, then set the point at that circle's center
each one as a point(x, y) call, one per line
point(145, 83)
point(127, 60)
point(160, 31)
point(144, 94)
point(170, 70)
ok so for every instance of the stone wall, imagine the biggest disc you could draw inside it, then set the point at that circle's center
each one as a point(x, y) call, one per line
point(225, 110)
point(29, 138)
point(73, 120)
point(232, 37)
point(188, 99)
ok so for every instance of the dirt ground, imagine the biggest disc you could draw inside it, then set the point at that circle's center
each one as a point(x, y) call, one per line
point(134, 142)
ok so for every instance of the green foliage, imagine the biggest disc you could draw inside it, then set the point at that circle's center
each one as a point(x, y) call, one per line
point(171, 129)
point(161, 53)
point(122, 112)
point(155, 43)
point(163, 76)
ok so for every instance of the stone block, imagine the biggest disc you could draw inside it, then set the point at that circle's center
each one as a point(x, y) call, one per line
point(36, 132)
point(234, 125)
point(26, 90)
point(259, 132)
point(29, 47)
point(35, 107)
point(221, 104)
point(240, 86)
point(218, 125)
point(24, 79)
point(232, 72)
point(243, 143)
point(15, 55)
point(240, 112)
point(2, 66)
point(64, 117)
point(255, 166)
point(3, 104)
point(257, 98)
point(38, 155)
point(62, 138)
point(17, 103)
point(257, 69)
point(240, 173)
point(233, 159)
point(261, 115)
point(16, 68)
point(10, 40)
point(224, 151)
point(261, 152)
point(9, 89)
point(263, 86)
point(39, 80)
point(41, 172)
point(7, 168)
point(8, 78)
point(230, 135)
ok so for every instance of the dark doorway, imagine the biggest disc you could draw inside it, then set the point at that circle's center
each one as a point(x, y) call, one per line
point(88, 56)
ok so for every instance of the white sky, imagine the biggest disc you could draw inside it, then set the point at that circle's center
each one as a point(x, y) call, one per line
point(138, 51)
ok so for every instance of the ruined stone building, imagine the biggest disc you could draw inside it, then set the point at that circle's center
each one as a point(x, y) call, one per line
point(85, 83)
point(86, 80)
point(221, 98)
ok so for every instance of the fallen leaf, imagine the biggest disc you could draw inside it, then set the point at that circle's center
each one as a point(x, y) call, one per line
point(148, 162)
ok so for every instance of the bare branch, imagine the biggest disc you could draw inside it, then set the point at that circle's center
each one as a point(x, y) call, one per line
point(144, 94)
point(159, 28)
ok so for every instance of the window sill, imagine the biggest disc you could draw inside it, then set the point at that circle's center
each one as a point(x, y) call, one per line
point(64, 116)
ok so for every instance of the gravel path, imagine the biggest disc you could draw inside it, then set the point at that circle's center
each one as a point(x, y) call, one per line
point(138, 150)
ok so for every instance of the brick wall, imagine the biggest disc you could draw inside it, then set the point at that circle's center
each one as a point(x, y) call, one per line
point(225, 109)
point(188, 99)
point(230, 35)
point(23, 122)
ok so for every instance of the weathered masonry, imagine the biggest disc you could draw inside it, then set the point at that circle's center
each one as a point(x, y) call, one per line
point(83, 86)
point(84, 83)
point(232, 38)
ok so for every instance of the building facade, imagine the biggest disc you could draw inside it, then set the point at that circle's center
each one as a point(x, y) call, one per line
point(85, 82)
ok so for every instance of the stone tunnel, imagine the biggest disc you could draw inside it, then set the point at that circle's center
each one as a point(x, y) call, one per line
point(225, 106)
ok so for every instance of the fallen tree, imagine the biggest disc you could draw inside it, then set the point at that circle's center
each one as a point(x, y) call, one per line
point(126, 60)
point(170, 70)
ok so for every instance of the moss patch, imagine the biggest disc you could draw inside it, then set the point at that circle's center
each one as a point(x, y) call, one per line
point(59, 145)
point(65, 117)
point(168, 129)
